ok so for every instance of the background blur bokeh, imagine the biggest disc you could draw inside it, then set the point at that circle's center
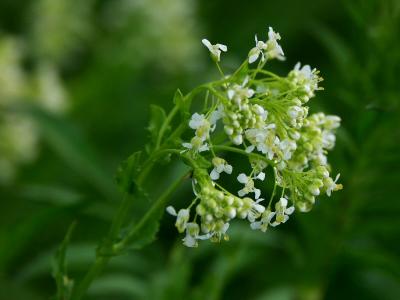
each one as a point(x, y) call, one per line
point(76, 81)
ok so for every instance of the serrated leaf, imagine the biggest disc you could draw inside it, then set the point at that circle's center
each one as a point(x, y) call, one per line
point(183, 104)
point(64, 284)
point(127, 173)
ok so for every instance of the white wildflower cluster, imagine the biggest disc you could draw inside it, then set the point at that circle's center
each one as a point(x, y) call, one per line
point(265, 118)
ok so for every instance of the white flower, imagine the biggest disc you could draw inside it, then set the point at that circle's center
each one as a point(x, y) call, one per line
point(282, 211)
point(255, 211)
point(250, 209)
point(215, 116)
point(304, 71)
point(264, 222)
point(196, 144)
point(257, 50)
point(269, 49)
point(182, 217)
point(274, 50)
point(287, 147)
point(219, 232)
point(215, 50)
point(238, 93)
point(197, 121)
point(201, 125)
point(220, 165)
point(237, 139)
point(332, 185)
point(249, 184)
point(264, 139)
point(192, 235)
point(306, 77)
point(328, 139)
point(332, 122)
point(294, 111)
point(259, 110)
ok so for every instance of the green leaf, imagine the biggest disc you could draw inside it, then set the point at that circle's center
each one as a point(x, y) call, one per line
point(145, 231)
point(157, 119)
point(183, 104)
point(64, 284)
point(127, 173)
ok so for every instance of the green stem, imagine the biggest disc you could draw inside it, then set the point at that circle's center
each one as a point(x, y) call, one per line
point(242, 152)
point(273, 191)
point(94, 271)
point(220, 70)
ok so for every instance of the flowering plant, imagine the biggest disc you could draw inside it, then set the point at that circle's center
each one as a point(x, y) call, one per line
point(265, 117)
point(251, 112)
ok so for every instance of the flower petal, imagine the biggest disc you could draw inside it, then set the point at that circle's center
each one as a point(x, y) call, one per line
point(171, 210)
point(207, 44)
point(214, 174)
point(242, 178)
point(222, 47)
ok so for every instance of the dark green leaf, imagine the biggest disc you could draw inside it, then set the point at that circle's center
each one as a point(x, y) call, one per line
point(157, 119)
point(127, 173)
point(145, 231)
point(183, 104)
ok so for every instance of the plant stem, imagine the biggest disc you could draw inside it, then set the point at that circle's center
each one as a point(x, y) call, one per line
point(243, 152)
point(93, 272)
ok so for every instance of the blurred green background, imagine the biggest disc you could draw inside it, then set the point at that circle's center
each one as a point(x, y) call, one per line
point(76, 81)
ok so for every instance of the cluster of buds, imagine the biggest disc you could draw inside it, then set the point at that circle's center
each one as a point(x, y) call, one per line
point(317, 136)
point(240, 114)
point(216, 208)
point(265, 118)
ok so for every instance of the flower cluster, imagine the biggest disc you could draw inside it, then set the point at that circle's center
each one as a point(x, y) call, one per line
point(265, 118)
